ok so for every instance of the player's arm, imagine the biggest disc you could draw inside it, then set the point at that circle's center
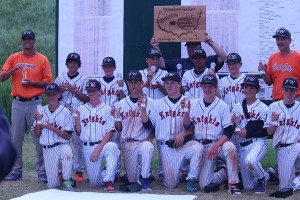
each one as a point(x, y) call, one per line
point(213, 152)
point(155, 45)
point(270, 118)
point(77, 125)
point(96, 152)
point(147, 123)
point(65, 134)
point(5, 75)
point(217, 49)
point(161, 87)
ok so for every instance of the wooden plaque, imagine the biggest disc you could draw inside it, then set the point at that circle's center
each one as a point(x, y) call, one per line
point(179, 23)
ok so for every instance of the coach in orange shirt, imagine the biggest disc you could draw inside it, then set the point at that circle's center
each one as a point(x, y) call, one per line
point(30, 72)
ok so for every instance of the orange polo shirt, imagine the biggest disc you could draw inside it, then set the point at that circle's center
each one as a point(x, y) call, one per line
point(38, 70)
point(280, 67)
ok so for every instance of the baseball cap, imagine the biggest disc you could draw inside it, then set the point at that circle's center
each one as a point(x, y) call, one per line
point(134, 75)
point(199, 52)
point(74, 56)
point(282, 32)
point(28, 33)
point(251, 80)
point(109, 61)
point(172, 76)
point(152, 52)
point(290, 83)
point(209, 78)
point(92, 85)
point(233, 57)
point(52, 88)
point(192, 43)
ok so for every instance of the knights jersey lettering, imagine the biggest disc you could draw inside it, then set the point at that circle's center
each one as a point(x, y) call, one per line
point(60, 119)
point(209, 121)
point(95, 122)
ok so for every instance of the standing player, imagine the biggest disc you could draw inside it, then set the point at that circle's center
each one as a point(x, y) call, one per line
point(211, 119)
point(191, 79)
point(252, 140)
point(95, 126)
point(54, 128)
point(282, 123)
point(170, 135)
point(136, 127)
point(112, 90)
point(73, 95)
point(230, 86)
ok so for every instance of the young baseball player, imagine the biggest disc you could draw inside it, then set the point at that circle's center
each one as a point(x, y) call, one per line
point(135, 125)
point(282, 123)
point(230, 86)
point(54, 128)
point(170, 135)
point(73, 95)
point(191, 79)
point(95, 127)
point(113, 89)
point(252, 140)
point(210, 117)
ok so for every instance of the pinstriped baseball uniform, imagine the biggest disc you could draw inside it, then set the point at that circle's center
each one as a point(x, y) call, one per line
point(168, 122)
point(191, 82)
point(109, 91)
point(286, 134)
point(231, 89)
point(70, 101)
point(61, 119)
point(154, 93)
point(251, 154)
point(95, 123)
point(209, 123)
point(132, 136)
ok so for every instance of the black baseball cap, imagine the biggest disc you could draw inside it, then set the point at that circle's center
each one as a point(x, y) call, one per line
point(199, 53)
point(28, 33)
point(210, 79)
point(134, 75)
point(172, 76)
point(74, 56)
point(290, 82)
point(92, 85)
point(282, 32)
point(233, 57)
point(109, 61)
point(192, 43)
point(52, 88)
point(152, 52)
point(251, 80)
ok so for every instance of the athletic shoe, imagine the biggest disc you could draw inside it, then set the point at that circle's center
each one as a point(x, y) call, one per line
point(68, 185)
point(234, 191)
point(161, 178)
point(191, 187)
point(42, 178)
point(273, 173)
point(183, 177)
point(79, 177)
point(145, 183)
point(109, 187)
point(13, 177)
point(117, 178)
point(261, 186)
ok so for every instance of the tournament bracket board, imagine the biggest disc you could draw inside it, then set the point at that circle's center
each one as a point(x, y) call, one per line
point(179, 23)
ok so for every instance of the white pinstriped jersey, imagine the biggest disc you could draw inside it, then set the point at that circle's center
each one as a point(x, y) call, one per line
point(109, 91)
point(209, 121)
point(154, 93)
point(95, 122)
point(131, 119)
point(167, 118)
point(257, 111)
point(231, 89)
point(68, 99)
point(61, 119)
point(289, 122)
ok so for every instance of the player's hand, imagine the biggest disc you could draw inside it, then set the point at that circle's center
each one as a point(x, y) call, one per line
point(140, 101)
point(37, 115)
point(27, 83)
point(213, 152)
point(18, 66)
point(94, 156)
point(75, 114)
point(274, 116)
point(262, 66)
point(149, 76)
point(120, 83)
point(70, 88)
point(179, 138)
point(154, 43)
point(63, 87)
point(182, 104)
point(213, 72)
point(242, 133)
point(47, 125)
point(208, 40)
point(156, 85)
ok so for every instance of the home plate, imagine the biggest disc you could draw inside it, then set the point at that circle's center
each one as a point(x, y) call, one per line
point(65, 195)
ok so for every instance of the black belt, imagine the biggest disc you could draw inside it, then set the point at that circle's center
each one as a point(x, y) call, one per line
point(243, 144)
point(205, 142)
point(51, 146)
point(132, 140)
point(284, 145)
point(25, 99)
point(91, 143)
